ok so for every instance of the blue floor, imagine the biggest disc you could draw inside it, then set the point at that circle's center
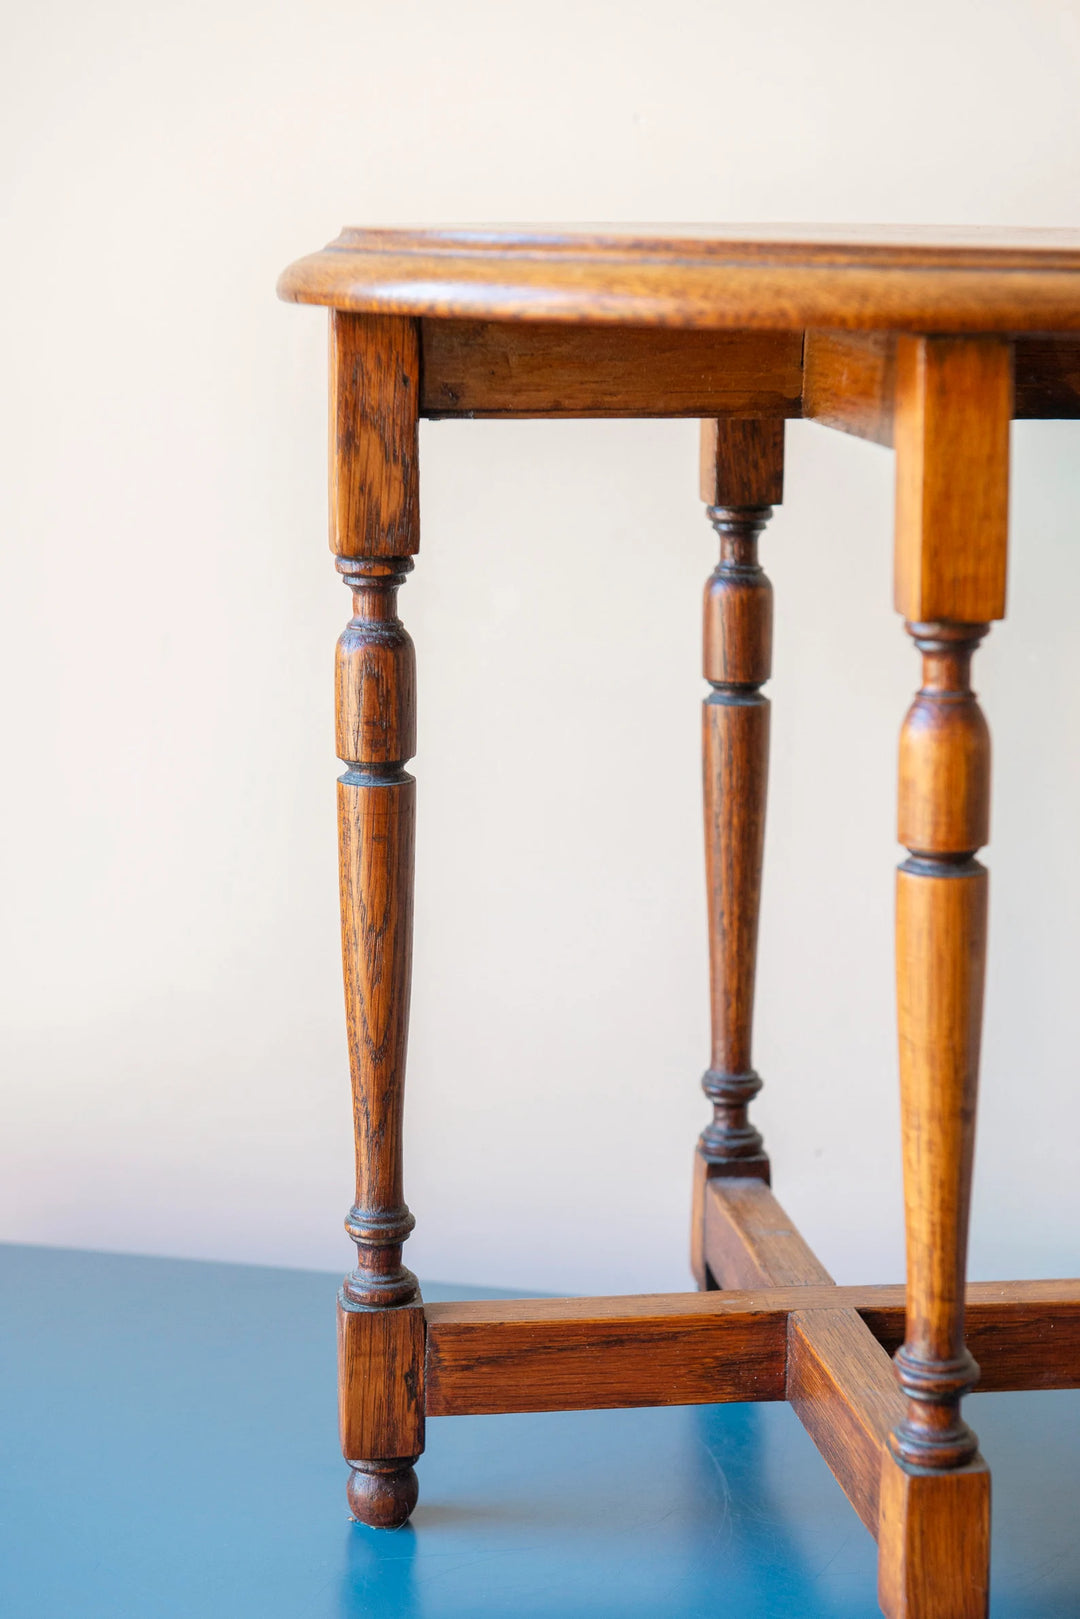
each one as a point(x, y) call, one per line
point(169, 1448)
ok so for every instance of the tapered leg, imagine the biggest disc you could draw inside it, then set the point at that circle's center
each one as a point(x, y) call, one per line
point(373, 510)
point(941, 894)
point(952, 414)
point(742, 478)
point(935, 1489)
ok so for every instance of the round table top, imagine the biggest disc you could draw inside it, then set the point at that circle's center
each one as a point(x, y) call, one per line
point(770, 277)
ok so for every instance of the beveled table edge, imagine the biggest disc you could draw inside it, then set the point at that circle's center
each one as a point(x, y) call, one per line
point(778, 278)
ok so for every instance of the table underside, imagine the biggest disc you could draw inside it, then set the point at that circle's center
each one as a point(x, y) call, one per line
point(843, 380)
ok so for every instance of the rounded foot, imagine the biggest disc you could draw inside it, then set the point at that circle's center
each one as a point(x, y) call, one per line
point(382, 1494)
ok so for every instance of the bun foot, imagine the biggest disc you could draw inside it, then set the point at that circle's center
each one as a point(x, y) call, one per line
point(382, 1494)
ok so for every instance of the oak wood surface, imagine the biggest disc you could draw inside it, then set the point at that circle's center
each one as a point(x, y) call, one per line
point(849, 380)
point(844, 380)
point(374, 406)
point(841, 1385)
point(751, 1242)
point(374, 669)
point(602, 1356)
point(943, 798)
point(941, 954)
point(376, 834)
point(954, 403)
point(381, 1382)
point(772, 278)
point(953, 406)
point(699, 1185)
point(488, 368)
point(934, 1542)
point(742, 468)
point(692, 1348)
point(742, 462)
point(374, 508)
point(839, 1378)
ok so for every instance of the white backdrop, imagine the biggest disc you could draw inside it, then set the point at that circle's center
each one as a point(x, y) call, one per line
point(174, 1076)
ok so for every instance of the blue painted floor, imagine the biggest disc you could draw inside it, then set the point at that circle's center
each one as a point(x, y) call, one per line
point(169, 1449)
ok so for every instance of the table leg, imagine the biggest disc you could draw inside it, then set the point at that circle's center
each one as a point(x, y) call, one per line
point(742, 478)
point(941, 892)
point(953, 406)
point(374, 375)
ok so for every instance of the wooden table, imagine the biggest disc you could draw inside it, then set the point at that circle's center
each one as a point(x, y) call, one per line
point(928, 341)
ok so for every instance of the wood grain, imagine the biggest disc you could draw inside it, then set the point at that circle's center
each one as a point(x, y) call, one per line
point(375, 668)
point(693, 1348)
point(600, 1354)
point(943, 805)
point(941, 955)
point(934, 1542)
point(764, 278)
point(750, 1242)
point(742, 464)
point(849, 380)
point(374, 377)
point(1024, 1335)
point(376, 827)
point(381, 1382)
point(844, 380)
point(704, 1279)
point(953, 404)
point(376, 832)
point(374, 405)
point(735, 754)
point(953, 408)
point(841, 1385)
point(487, 368)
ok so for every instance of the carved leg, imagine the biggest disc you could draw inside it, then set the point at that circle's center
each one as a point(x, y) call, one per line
point(741, 479)
point(374, 372)
point(952, 416)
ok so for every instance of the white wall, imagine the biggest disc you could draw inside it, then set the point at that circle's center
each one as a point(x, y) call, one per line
point(174, 1077)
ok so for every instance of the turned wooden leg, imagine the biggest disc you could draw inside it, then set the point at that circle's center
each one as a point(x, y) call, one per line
point(374, 370)
point(953, 406)
point(742, 464)
point(940, 964)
